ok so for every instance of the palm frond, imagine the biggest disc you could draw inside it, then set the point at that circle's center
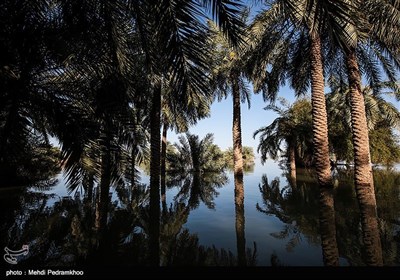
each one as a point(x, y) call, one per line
point(225, 13)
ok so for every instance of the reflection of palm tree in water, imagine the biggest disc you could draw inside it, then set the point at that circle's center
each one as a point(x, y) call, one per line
point(172, 220)
point(327, 225)
point(196, 187)
point(294, 206)
point(371, 239)
point(280, 204)
point(240, 220)
point(371, 236)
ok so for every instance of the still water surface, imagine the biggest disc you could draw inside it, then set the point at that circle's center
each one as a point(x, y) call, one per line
point(276, 224)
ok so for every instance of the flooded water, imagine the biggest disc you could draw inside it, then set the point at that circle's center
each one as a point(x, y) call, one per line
point(205, 220)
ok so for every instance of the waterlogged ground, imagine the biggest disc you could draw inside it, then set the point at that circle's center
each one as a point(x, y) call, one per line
point(200, 224)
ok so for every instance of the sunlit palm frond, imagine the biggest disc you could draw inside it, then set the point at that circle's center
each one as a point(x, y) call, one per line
point(226, 12)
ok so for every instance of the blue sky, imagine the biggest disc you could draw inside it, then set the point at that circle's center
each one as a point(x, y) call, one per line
point(220, 121)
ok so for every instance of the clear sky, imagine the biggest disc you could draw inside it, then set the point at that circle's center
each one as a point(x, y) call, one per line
point(220, 121)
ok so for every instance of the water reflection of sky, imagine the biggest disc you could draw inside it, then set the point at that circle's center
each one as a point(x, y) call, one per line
point(216, 227)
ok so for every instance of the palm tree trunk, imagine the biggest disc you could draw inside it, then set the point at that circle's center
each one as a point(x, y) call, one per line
point(292, 162)
point(164, 148)
point(133, 155)
point(43, 131)
point(240, 221)
point(319, 115)
point(104, 186)
point(133, 167)
point(163, 159)
point(362, 164)
point(327, 225)
point(155, 139)
point(292, 157)
point(236, 128)
point(89, 188)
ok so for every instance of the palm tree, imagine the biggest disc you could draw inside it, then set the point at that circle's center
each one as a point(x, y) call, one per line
point(375, 48)
point(288, 37)
point(343, 22)
point(380, 115)
point(293, 126)
point(174, 116)
point(228, 77)
point(179, 118)
point(248, 158)
point(193, 154)
point(297, 30)
point(172, 35)
point(25, 109)
point(383, 16)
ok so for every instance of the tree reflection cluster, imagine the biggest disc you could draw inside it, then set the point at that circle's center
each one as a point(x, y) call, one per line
point(332, 219)
point(88, 227)
point(99, 224)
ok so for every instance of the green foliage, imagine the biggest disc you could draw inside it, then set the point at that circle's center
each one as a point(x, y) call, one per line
point(248, 157)
point(193, 154)
point(35, 161)
point(382, 118)
point(227, 66)
point(385, 146)
point(84, 72)
point(292, 127)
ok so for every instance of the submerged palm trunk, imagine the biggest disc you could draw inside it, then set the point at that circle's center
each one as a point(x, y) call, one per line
point(327, 225)
point(154, 223)
point(195, 191)
point(240, 221)
point(362, 165)
point(319, 115)
point(236, 128)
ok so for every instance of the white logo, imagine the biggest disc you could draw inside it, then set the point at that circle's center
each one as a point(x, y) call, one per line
point(10, 255)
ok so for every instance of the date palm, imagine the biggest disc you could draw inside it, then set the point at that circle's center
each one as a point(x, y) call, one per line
point(362, 58)
point(289, 39)
point(26, 110)
point(293, 127)
point(362, 49)
point(173, 35)
point(180, 119)
point(291, 43)
point(193, 154)
point(228, 78)
point(379, 112)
